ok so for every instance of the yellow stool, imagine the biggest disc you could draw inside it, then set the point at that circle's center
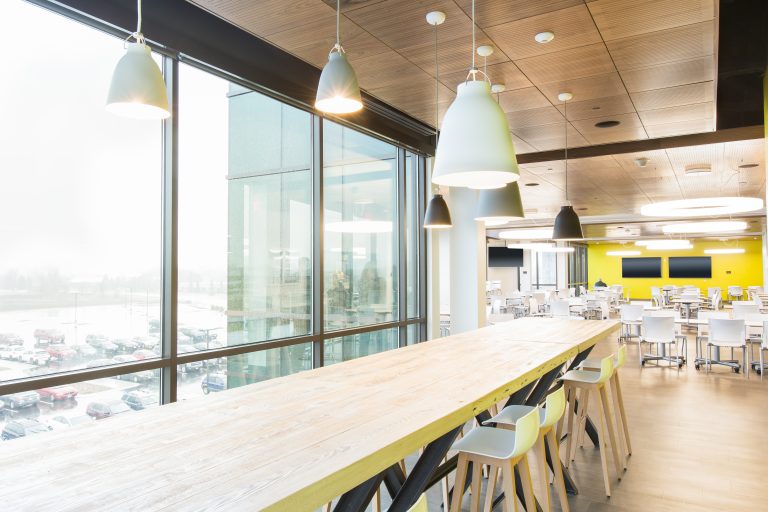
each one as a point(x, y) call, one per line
point(549, 416)
point(500, 449)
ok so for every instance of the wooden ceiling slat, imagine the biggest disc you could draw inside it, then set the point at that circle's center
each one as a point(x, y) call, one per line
point(522, 99)
point(535, 117)
point(584, 89)
point(506, 73)
point(674, 96)
point(495, 12)
point(617, 19)
point(573, 27)
point(692, 112)
point(598, 107)
point(670, 75)
point(568, 64)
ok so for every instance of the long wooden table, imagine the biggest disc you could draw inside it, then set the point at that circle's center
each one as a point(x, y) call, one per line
point(292, 443)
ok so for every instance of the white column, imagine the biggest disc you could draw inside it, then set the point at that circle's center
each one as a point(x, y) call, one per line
point(468, 263)
point(433, 283)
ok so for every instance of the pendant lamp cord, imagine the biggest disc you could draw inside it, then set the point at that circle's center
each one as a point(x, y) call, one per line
point(138, 22)
point(437, 90)
point(473, 35)
point(338, 11)
point(565, 114)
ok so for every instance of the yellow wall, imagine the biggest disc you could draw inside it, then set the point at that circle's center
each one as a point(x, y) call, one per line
point(745, 269)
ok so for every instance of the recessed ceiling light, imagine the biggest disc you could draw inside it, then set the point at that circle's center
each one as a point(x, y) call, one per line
point(748, 166)
point(697, 169)
point(498, 88)
point(485, 50)
point(527, 234)
point(607, 124)
point(701, 207)
point(565, 96)
point(642, 161)
point(532, 184)
point(706, 227)
point(544, 37)
point(666, 243)
point(734, 250)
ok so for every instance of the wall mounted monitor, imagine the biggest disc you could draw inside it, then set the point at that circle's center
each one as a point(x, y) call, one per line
point(690, 266)
point(640, 267)
point(505, 257)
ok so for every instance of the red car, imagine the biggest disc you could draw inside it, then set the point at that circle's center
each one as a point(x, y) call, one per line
point(101, 410)
point(48, 336)
point(59, 351)
point(57, 393)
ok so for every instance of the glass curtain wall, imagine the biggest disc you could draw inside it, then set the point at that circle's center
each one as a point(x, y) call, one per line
point(85, 212)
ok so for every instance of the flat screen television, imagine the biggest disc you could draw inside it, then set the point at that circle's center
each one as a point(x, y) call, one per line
point(690, 266)
point(505, 257)
point(640, 267)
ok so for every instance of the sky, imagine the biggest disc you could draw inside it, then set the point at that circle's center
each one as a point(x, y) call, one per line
point(79, 187)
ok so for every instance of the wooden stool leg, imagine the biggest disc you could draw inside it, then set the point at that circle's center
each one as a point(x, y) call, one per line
point(603, 394)
point(542, 449)
point(493, 475)
point(508, 485)
point(327, 507)
point(525, 477)
point(554, 454)
point(622, 415)
point(477, 473)
point(603, 447)
point(458, 485)
point(571, 415)
point(446, 489)
point(377, 501)
point(582, 425)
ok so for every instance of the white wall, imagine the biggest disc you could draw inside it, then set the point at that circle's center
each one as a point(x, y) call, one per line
point(507, 276)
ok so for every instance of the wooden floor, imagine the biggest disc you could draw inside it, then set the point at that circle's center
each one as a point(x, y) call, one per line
point(700, 443)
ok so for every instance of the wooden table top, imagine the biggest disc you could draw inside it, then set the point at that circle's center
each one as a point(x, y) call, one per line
point(291, 443)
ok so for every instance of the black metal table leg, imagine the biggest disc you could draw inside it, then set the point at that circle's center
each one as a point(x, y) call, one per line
point(429, 461)
point(357, 499)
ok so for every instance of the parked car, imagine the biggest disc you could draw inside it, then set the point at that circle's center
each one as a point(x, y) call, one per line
point(61, 352)
point(197, 335)
point(47, 336)
point(124, 358)
point(107, 409)
point(143, 353)
point(95, 363)
point(194, 366)
point(148, 342)
point(95, 340)
point(214, 382)
point(12, 353)
point(140, 376)
point(125, 345)
point(140, 399)
point(58, 422)
point(21, 400)
point(84, 350)
point(22, 428)
point(37, 356)
point(57, 393)
point(10, 339)
point(208, 345)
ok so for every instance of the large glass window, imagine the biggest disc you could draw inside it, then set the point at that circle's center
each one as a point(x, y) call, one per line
point(83, 212)
point(361, 244)
point(546, 270)
point(80, 193)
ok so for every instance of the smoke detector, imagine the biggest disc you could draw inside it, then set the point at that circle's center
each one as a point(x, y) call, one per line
point(642, 161)
point(697, 169)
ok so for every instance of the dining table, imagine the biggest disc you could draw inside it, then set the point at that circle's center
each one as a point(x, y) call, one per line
point(298, 442)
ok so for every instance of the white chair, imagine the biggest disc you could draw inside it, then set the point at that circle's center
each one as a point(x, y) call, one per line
point(754, 333)
point(735, 292)
point(533, 307)
point(560, 308)
point(725, 333)
point(702, 334)
point(659, 330)
point(763, 347)
point(631, 319)
point(743, 308)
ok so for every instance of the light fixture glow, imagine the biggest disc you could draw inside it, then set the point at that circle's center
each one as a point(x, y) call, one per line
point(544, 37)
point(338, 91)
point(705, 227)
point(702, 207)
point(664, 244)
point(359, 226)
point(732, 250)
point(475, 149)
point(698, 170)
point(527, 234)
point(556, 249)
point(137, 89)
point(533, 246)
point(622, 253)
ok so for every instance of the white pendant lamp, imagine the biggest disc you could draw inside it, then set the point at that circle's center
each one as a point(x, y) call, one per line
point(567, 222)
point(722, 226)
point(437, 215)
point(475, 148)
point(138, 90)
point(338, 91)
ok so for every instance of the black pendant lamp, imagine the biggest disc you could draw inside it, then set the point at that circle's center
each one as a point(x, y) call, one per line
point(567, 223)
point(437, 215)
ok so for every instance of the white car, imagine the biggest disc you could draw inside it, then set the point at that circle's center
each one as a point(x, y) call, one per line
point(12, 353)
point(36, 357)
